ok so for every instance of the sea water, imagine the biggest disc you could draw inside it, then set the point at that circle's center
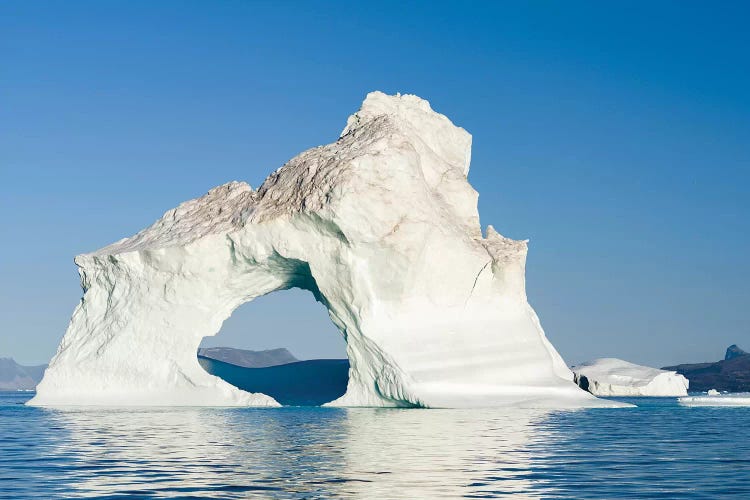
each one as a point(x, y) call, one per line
point(659, 449)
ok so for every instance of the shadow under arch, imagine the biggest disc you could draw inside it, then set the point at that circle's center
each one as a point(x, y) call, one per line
point(311, 382)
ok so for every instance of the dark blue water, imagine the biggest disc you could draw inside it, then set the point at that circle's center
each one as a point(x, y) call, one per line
point(658, 450)
point(313, 382)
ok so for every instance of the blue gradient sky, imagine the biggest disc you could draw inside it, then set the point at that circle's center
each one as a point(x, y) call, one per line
point(615, 138)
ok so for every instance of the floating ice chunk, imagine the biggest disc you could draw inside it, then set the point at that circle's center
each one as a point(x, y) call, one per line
point(615, 377)
point(729, 399)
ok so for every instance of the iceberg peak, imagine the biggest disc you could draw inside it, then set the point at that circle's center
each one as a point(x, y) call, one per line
point(414, 116)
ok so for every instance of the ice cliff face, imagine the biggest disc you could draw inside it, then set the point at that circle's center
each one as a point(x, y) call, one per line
point(615, 377)
point(380, 226)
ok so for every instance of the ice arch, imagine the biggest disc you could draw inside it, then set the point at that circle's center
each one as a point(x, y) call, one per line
point(291, 319)
point(381, 226)
point(320, 373)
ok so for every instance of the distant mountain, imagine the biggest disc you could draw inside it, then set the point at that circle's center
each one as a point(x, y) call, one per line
point(730, 374)
point(733, 352)
point(18, 377)
point(248, 359)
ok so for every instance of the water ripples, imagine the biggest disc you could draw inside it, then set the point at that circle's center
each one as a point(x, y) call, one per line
point(659, 450)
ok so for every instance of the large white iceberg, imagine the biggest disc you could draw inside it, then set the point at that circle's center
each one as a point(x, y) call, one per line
point(615, 377)
point(381, 226)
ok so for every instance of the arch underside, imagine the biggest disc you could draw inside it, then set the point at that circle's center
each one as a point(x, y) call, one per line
point(312, 382)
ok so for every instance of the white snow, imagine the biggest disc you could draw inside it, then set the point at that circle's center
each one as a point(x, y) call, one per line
point(615, 377)
point(381, 226)
point(730, 399)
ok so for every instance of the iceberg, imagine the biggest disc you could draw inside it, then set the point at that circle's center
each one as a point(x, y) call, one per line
point(615, 377)
point(380, 226)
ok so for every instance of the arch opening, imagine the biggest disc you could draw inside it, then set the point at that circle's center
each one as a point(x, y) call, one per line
point(281, 344)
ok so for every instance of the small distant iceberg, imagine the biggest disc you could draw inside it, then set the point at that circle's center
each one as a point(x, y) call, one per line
point(616, 377)
point(714, 398)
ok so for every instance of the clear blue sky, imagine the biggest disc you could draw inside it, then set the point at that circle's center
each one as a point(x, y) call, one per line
point(615, 136)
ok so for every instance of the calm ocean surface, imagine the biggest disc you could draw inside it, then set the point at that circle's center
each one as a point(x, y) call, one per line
point(658, 450)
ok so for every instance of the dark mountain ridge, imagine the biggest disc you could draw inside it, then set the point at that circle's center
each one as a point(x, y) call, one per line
point(729, 374)
point(733, 351)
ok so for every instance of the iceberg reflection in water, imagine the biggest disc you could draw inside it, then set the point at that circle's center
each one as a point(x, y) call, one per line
point(659, 449)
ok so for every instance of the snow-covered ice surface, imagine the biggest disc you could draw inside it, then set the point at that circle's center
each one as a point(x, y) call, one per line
point(615, 377)
point(727, 399)
point(381, 226)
